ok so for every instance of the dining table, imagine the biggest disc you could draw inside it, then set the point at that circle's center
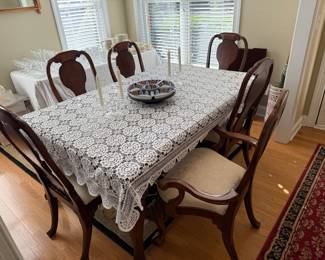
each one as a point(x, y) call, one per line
point(120, 149)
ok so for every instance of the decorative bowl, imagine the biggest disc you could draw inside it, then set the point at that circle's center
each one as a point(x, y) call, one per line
point(151, 91)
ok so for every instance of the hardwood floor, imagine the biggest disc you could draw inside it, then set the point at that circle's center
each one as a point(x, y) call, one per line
point(26, 213)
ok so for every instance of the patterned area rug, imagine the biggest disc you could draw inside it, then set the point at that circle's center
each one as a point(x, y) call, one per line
point(300, 230)
point(104, 219)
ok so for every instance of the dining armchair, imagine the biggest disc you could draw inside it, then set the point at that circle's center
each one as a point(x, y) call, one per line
point(72, 73)
point(124, 59)
point(228, 50)
point(208, 185)
point(57, 186)
point(253, 87)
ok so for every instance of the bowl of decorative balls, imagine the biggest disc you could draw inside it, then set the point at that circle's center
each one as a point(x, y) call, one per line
point(151, 91)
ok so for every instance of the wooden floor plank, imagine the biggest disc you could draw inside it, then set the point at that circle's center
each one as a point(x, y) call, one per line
point(24, 210)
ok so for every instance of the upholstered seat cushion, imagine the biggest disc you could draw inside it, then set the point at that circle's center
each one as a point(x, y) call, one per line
point(207, 171)
point(81, 190)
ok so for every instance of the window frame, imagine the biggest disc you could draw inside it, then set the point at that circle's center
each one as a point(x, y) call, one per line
point(59, 25)
point(142, 30)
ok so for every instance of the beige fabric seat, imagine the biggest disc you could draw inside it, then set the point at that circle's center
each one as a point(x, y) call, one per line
point(207, 171)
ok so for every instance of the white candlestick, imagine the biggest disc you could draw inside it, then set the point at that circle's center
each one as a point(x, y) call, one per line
point(169, 65)
point(119, 81)
point(100, 93)
point(179, 59)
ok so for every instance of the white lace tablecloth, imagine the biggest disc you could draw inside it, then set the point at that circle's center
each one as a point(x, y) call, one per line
point(119, 149)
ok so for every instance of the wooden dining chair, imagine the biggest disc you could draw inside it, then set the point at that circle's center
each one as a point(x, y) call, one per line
point(228, 50)
point(124, 59)
point(209, 185)
point(57, 186)
point(252, 90)
point(71, 72)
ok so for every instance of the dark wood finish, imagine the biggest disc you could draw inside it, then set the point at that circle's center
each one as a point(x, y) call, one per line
point(228, 50)
point(137, 237)
point(153, 212)
point(247, 102)
point(253, 56)
point(72, 73)
point(233, 198)
point(56, 185)
point(124, 59)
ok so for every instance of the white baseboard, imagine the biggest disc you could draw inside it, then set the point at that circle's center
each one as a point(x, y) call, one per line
point(307, 121)
point(297, 126)
point(320, 127)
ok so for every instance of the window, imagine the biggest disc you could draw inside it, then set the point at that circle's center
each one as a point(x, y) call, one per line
point(167, 24)
point(81, 23)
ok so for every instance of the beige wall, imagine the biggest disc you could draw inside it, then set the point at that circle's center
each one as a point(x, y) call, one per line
point(117, 19)
point(270, 24)
point(130, 16)
point(26, 30)
point(22, 31)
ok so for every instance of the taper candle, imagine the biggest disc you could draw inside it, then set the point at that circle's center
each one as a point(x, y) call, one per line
point(169, 65)
point(100, 93)
point(179, 59)
point(119, 81)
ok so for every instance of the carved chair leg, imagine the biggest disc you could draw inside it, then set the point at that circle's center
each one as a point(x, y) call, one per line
point(53, 203)
point(137, 238)
point(158, 215)
point(228, 240)
point(87, 227)
point(249, 208)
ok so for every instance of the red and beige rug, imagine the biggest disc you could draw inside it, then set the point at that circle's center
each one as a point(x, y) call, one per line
point(300, 230)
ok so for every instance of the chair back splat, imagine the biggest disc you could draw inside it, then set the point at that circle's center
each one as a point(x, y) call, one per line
point(228, 50)
point(270, 124)
point(248, 99)
point(27, 143)
point(71, 72)
point(251, 92)
point(124, 59)
point(57, 186)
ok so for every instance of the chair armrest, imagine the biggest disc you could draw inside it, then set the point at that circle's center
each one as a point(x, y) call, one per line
point(183, 186)
point(237, 136)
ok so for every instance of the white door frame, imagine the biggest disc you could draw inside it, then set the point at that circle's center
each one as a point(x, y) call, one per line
point(287, 127)
point(317, 96)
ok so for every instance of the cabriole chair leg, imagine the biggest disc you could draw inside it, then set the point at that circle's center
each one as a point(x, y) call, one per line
point(53, 203)
point(228, 240)
point(249, 208)
point(87, 232)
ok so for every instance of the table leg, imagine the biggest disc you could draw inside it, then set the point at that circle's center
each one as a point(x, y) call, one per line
point(137, 238)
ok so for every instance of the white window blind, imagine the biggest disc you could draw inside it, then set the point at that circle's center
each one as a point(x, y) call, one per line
point(164, 25)
point(81, 23)
point(190, 24)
